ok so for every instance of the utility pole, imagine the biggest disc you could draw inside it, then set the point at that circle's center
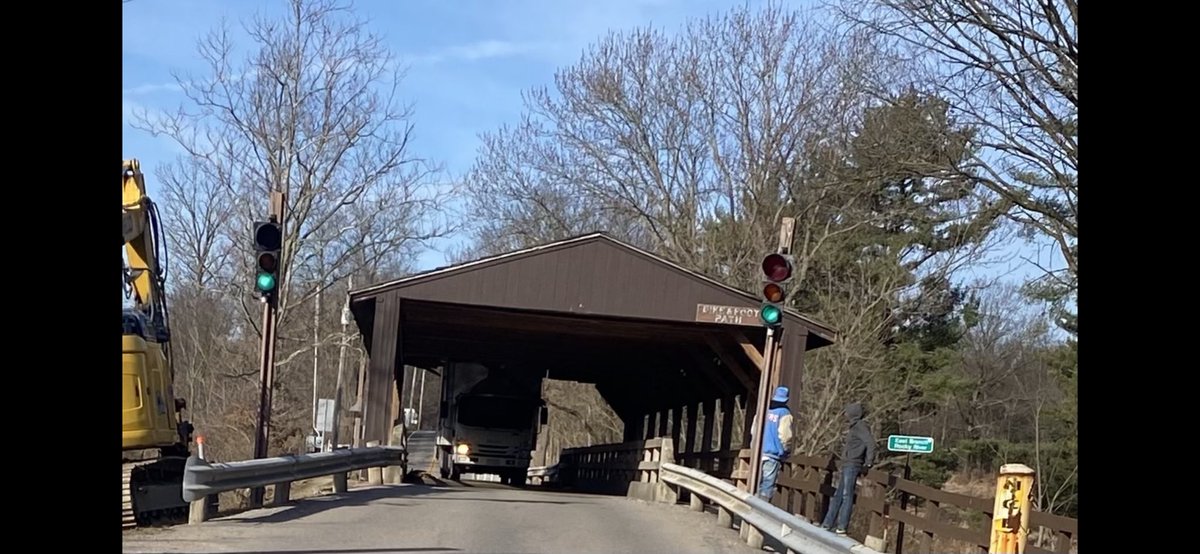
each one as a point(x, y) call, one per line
point(267, 358)
point(316, 357)
point(337, 394)
point(769, 378)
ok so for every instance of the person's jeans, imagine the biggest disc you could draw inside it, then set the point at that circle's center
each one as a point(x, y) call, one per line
point(843, 498)
point(770, 471)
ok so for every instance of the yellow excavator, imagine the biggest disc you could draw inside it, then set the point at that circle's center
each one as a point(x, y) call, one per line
point(155, 439)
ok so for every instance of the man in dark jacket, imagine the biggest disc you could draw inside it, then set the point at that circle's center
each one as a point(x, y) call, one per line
point(858, 455)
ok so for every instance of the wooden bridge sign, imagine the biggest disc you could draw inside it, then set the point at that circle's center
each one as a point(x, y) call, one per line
point(728, 315)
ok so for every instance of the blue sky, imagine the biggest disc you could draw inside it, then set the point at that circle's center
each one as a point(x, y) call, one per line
point(468, 61)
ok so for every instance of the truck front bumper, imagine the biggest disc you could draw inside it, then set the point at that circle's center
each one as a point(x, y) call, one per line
point(489, 461)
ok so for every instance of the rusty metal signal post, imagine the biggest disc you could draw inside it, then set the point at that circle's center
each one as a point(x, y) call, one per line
point(777, 269)
point(268, 246)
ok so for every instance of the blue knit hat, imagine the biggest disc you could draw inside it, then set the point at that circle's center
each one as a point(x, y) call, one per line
point(781, 395)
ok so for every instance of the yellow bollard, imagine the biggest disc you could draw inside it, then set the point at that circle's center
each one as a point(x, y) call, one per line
point(1010, 520)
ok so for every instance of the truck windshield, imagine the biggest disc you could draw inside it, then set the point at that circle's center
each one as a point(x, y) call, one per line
point(496, 413)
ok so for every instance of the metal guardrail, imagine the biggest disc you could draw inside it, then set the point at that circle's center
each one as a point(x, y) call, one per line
point(202, 479)
point(541, 475)
point(793, 533)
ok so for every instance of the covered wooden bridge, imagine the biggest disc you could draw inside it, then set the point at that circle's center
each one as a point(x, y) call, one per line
point(661, 343)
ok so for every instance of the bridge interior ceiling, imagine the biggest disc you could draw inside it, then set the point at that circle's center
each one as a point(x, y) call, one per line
point(638, 366)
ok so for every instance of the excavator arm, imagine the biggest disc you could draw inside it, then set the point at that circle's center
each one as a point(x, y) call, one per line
point(143, 272)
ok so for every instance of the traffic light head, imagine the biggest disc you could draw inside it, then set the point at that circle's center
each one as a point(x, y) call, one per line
point(268, 240)
point(776, 269)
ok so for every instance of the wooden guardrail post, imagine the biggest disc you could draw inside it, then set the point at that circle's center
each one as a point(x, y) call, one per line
point(754, 537)
point(724, 518)
point(374, 474)
point(877, 522)
point(1010, 518)
point(198, 511)
point(283, 493)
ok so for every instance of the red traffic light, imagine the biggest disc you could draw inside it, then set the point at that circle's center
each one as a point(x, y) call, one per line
point(267, 262)
point(776, 267)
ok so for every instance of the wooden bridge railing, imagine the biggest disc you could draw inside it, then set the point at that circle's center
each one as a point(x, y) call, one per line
point(933, 519)
point(626, 468)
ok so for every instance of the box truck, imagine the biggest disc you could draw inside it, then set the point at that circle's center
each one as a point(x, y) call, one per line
point(488, 422)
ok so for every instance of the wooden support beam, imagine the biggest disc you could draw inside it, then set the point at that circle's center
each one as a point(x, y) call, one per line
point(710, 418)
point(791, 365)
point(731, 362)
point(751, 351)
point(777, 373)
point(727, 404)
point(693, 412)
point(633, 427)
point(676, 426)
point(725, 465)
point(750, 408)
point(381, 369)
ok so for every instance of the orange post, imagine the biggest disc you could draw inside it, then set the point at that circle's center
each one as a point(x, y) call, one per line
point(1010, 518)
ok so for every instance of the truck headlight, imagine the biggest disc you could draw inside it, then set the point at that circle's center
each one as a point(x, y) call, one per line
point(463, 450)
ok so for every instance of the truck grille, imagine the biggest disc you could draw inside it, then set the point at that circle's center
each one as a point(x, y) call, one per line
point(495, 450)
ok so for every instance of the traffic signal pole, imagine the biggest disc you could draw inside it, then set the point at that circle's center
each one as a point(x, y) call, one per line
point(267, 359)
point(769, 376)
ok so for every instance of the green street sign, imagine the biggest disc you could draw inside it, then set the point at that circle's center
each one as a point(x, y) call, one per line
point(915, 445)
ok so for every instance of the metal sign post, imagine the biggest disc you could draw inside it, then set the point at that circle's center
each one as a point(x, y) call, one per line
point(909, 445)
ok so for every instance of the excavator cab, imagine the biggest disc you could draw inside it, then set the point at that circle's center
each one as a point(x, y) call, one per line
point(148, 405)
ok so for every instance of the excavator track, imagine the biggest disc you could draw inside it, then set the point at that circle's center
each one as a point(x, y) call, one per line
point(150, 492)
point(128, 518)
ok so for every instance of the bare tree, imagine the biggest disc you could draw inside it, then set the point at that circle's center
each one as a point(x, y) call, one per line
point(1010, 69)
point(695, 145)
point(310, 110)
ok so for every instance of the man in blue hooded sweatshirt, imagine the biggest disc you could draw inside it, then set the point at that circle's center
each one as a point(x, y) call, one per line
point(776, 441)
point(858, 455)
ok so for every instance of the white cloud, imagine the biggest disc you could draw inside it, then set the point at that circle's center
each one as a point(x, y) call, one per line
point(151, 88)
point(479, 50)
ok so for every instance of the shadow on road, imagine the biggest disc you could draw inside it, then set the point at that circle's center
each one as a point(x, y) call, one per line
point(355, 497)
point(381, 495)
point(348, 551)
point(503, 500)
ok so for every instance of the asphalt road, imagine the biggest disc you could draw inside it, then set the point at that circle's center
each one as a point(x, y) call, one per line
point(476, 517)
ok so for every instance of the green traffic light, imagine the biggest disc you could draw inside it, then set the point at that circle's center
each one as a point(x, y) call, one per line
point(265, 281)
point(770, 314)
